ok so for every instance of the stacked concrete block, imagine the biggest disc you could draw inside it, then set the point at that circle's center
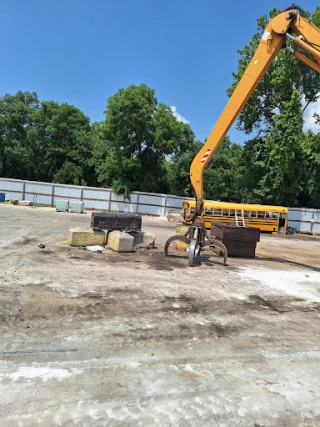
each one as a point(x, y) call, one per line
point(25, 203)
point(120, 232)
point(120, 241)
point(86, 237)
point(143, 239)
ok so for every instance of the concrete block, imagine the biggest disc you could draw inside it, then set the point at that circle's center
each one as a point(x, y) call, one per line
point(181, 229)
point(120, 241)
point(143, 239)
point(86, 237)
point(25, 203)
point(174, 215)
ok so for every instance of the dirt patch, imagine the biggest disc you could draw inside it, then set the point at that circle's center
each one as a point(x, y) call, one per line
point(112, 302)
point(155, 258)
point(282, 304)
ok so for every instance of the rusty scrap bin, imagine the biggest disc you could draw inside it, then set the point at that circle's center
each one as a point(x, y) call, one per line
point(115, 221)
point(240, 241)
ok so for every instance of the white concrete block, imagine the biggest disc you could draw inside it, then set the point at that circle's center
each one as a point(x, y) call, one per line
point(143, 239)
point(120, 241)
point(25, 203)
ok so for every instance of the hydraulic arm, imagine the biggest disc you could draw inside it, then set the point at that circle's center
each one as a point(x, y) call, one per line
point(289, 24)
point(305, 37)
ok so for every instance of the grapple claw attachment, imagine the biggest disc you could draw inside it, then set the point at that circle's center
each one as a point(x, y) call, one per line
point(218, 247)
point(173, 239)
point(198, 237)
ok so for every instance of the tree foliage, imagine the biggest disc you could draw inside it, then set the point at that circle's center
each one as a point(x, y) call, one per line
point(223, 177)
point(281, 160)
point(62, 136)
point(285, 75)
point(138, 134)
point(16, 122)
point(285, 156)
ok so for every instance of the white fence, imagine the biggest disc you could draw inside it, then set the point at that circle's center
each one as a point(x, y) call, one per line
point(94, 198)
point(304, 220)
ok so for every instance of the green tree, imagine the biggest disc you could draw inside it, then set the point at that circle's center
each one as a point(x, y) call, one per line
point(178, 170)
point(288, 83)
point(16, 123)
point(285, 75)
point(62, 141)
point(311, 189)
point(316, 17)
point(139, 133)
point(223, 177)
point(253, 161)
point(100, 151)
point(285, 156)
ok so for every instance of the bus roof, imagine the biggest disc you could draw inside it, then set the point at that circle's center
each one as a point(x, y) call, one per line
point(228, 205)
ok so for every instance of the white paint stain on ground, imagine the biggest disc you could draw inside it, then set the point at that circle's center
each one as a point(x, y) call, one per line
point(300, 284)
point(42, 373)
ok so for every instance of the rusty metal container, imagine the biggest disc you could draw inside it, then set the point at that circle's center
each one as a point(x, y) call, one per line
point(114, 221)
point(240, 241)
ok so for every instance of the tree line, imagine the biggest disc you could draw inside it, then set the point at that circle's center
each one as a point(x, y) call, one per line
point(141, 145)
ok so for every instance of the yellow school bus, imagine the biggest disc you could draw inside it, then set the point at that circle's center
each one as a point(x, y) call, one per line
point(271, 219)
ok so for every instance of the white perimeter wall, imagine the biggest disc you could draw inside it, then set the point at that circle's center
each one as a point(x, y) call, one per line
point(304, 220)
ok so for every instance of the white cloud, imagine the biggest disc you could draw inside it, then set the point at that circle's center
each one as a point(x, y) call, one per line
point(309, 120)
point(178, 116)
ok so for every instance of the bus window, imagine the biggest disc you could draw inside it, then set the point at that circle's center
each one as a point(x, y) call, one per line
point(232, 212)
point(225, 212)
point(246, 214)
point(253, 214)
point(239, 212)
point(275, 215)
point(208, 211)
point(217, 212)
point(268, 215)
point(261, 214)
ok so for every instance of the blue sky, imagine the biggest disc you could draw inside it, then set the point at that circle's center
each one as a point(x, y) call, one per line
point(82, 52)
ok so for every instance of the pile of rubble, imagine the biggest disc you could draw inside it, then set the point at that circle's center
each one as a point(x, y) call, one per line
point(119, 232)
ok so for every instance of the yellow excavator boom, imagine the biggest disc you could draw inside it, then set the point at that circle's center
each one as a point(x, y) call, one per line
point(287, 25)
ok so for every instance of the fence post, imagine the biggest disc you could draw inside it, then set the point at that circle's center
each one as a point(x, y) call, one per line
point(165, 205)
point(81, 194)
point(109, 200)
point(24, 190)
point(312, 222)
point(137, 206)
point(52, 195)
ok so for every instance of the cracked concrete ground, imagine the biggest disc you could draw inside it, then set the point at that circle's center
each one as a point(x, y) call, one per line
point(143, 340)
